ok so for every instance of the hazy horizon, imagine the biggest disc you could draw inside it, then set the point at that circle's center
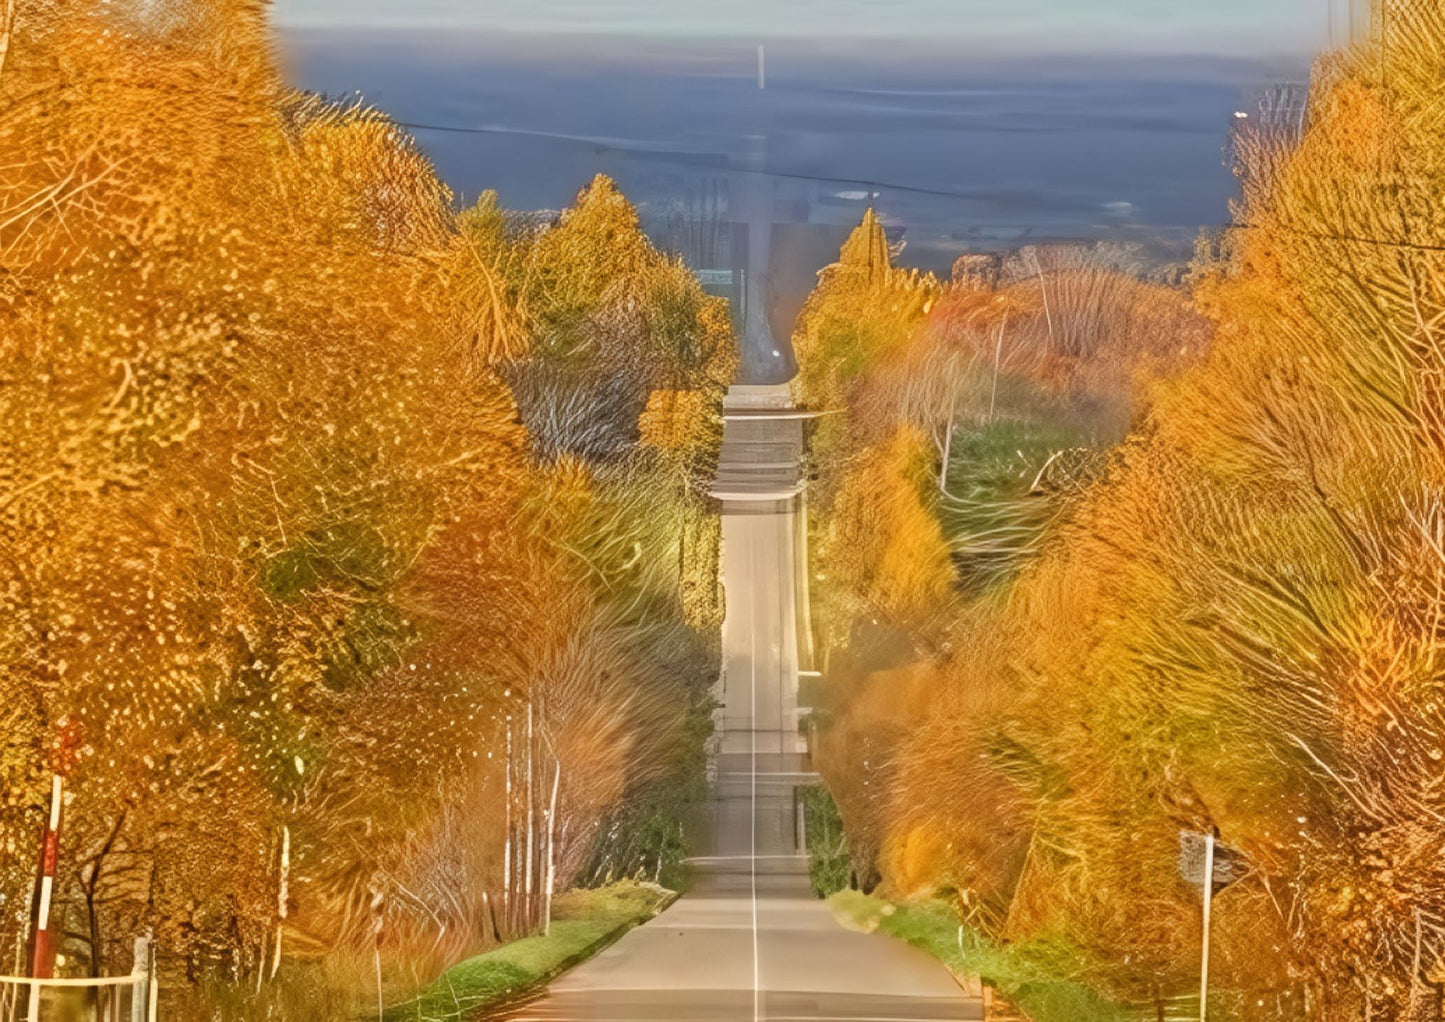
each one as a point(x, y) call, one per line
point(1226, 27)
point(962, 152)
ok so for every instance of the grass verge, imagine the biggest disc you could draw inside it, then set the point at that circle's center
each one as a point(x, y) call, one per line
point(829, 863)
point(1030, 975)
point(583, 923)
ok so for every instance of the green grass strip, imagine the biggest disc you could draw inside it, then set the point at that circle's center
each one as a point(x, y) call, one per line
point(1032, 975)
point(583, 923)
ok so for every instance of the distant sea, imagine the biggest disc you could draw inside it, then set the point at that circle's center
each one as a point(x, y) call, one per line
point(960, 151)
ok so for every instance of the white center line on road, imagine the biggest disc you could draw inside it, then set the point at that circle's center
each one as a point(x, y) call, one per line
point(753, 814)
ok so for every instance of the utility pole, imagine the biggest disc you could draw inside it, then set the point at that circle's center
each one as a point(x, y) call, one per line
point(1208, 904)
point(762, 69)
point(1203, 861)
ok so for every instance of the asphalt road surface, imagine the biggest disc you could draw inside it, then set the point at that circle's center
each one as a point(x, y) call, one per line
point(721, 955)
point(749, 942)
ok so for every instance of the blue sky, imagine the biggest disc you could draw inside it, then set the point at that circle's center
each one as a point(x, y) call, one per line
point(1219, 26)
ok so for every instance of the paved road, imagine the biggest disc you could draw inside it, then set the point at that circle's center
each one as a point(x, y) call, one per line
point(748, 942)
point(719, 955)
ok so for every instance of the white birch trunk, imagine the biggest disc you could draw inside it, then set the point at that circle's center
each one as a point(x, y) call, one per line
point(1044, 290)
point(380, 1003)
point(282, 895)
point(997, 358)
point(947, 452)
point(507, 837)
point(531, 822)
point(551, 851)
point(376, 908)
point(7, 30)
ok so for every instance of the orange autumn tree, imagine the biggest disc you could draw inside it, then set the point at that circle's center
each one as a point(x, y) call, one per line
point(272, 534)
point(1236, 627)
point(1031, 351)
point(621, 396)
point(234, 468)
point(869, 509)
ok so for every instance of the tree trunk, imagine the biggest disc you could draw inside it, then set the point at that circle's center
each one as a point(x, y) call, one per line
point(507, 838)
point(378, 923)
point(282, 896)
point(1415, 971)
point(1044, 290)
point(92, 888)
point(489, 907)
point(947, 453)
point(531, 824)
point(7, 30)
point(997, 358)
point(551, 850)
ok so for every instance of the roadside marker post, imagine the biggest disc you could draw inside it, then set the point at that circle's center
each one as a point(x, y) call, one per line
point(140, 993)
point(1211, 867)
point(42, 954)
point(1204, 948)
point(42, 949)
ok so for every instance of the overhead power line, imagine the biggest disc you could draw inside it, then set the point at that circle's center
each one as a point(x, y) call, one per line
point(893, 186)
point(1344, 238)
point(663, 157)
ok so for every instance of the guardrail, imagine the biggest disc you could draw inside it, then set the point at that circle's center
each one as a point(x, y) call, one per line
point(83, 999)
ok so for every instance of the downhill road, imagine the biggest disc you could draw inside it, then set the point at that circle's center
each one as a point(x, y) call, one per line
point(749, 942)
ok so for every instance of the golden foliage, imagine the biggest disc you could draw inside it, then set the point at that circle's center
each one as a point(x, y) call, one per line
point(676, 420)
point(882, 545)
point(271, 539)
point(862, 310)
point(1239, 626)
point(1045, 336)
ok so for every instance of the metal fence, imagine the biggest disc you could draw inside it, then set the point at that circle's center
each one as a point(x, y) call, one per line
point(92, 999)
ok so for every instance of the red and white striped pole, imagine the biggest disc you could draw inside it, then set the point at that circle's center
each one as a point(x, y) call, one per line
point(42, 957)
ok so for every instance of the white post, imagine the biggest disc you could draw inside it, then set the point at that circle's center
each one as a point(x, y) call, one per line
point(153, 983)
point(32, 1012)
point(139, 992)
point(1208, 901)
